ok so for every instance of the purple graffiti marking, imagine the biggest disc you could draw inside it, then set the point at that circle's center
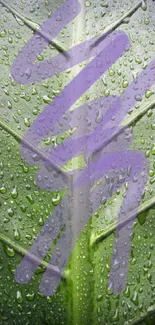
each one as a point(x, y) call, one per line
point(103, 144)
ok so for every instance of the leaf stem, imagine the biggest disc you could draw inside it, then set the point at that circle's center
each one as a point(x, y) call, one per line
point(30, 145)
point(117, 23)
point(97, 238)
point(36, 28)
point(151, 312)
point(127, 123)
point(23, 251)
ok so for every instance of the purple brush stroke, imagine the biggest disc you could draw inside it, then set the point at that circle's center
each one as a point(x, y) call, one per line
point(110, 156)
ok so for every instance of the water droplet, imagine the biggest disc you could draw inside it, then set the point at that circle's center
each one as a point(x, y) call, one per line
point(19, 297)
point(144, 5)
point(134, 298)
point(14, 193)
point(16, 234)
point(153, 150)
point(10, 212)
point(46, 99)
point(88, 3)
point(9, 251)
point(3, 189)
point(30, 296)
point(56, 199)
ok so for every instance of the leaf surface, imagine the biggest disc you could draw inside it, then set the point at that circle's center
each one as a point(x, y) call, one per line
point(83, 296)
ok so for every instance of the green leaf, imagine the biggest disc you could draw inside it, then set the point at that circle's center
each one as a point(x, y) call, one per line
point(83, 296)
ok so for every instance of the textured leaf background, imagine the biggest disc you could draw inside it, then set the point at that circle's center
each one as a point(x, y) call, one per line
point(83, 297)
